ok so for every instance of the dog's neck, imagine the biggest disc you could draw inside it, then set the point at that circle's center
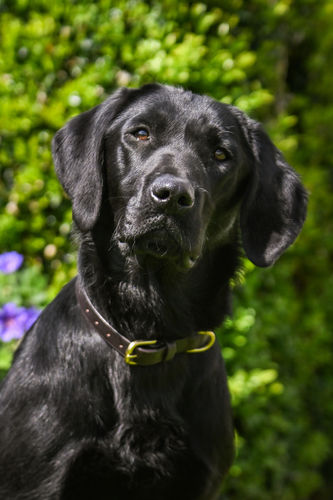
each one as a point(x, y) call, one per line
point(156, 301)
point(138, 303)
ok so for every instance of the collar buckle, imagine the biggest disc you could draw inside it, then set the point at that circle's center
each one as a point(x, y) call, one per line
point(129, 356)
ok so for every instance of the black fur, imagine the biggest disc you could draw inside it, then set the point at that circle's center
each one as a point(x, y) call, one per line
point(161, 221)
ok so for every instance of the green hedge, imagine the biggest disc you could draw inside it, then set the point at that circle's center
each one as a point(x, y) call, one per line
point(267, 57)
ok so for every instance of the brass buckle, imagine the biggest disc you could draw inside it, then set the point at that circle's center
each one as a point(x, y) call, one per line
point(129, 356)
point(211, 336)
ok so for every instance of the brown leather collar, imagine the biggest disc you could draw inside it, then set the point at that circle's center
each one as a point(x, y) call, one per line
point(141, 352)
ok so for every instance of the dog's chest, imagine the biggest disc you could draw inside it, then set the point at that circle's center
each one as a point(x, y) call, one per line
point(148, 453)
point(141, 462)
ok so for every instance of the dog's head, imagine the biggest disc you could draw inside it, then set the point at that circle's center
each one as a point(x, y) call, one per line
point(180, 172)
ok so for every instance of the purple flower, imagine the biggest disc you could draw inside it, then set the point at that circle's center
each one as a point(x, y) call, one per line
point(10, 262)
point(15, 321)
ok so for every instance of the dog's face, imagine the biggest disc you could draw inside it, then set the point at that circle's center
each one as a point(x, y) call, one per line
point(181, 172)
point(171, 160)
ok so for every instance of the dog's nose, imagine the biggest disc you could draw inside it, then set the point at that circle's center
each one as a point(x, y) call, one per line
point(172, 193)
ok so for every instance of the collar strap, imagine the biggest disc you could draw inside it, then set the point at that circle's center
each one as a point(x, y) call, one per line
point(141, 352)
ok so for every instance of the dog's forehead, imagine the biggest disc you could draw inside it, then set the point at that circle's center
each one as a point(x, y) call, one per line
point(177, 106)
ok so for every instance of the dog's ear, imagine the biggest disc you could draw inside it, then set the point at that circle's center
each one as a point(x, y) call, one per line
point(274, 208)
point(78, 157)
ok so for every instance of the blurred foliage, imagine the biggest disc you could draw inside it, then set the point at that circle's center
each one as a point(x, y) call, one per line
point(269, 57)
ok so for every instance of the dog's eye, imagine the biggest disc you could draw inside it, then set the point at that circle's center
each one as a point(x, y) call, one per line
point(220, 155)
point(141, 135)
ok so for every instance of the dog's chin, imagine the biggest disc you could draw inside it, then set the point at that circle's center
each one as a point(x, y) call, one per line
point(160, 248)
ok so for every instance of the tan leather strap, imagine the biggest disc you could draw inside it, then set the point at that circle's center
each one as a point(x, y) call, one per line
point(141, 352)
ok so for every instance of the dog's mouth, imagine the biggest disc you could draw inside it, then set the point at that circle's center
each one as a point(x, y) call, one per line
point(161, 245)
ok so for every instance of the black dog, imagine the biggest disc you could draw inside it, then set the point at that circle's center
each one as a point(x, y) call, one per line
point(118, 392)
